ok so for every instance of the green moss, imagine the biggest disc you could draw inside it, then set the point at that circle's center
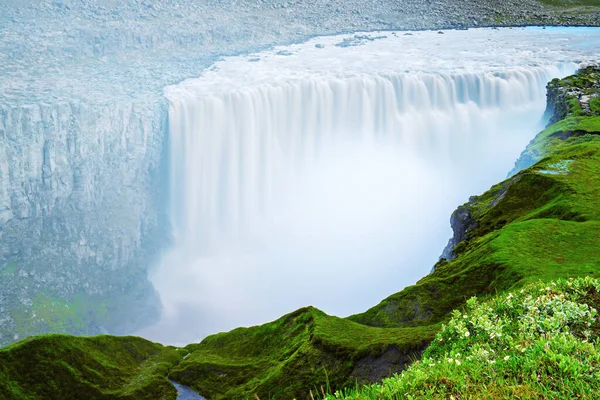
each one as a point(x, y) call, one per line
point(572, 3)
point(53, 314)
point(102, 367)
point(563, 133)
point(536, 343)
point(49, 313)
point(299, 352)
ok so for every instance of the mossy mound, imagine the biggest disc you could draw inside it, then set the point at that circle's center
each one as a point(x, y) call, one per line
point(66, 367)
point(536, 343)
point(302, 351)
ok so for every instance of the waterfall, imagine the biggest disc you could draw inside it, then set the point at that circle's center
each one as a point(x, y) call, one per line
point(324, 173)
point(279, 193)
point(233, 154)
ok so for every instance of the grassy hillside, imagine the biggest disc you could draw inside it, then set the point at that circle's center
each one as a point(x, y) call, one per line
point(304, 349)
point(536, 343)
point(66, 367)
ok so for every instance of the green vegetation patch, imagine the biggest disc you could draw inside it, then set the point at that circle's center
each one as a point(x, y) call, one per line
point(558, 134)
point(302, 351)
point(49, 313)
point(101, 367)
point(538, 342)
point(595, 105)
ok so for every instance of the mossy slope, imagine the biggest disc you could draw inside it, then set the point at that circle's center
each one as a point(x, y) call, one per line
point(540, 342)
point(302, 351)
point(66, 367)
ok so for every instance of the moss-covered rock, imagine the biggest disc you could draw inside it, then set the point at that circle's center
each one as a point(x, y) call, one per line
point(572, 110)
point(66, 367)
point(302, 351)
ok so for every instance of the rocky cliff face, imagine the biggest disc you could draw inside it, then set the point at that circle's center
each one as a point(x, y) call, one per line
point(79, 211)
point(462, 222)
point(571, 97)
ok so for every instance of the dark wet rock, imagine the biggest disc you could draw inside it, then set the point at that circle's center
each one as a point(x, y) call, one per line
point(462, 222)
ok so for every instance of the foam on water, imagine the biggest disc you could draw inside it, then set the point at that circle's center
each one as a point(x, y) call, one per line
point(324, 173)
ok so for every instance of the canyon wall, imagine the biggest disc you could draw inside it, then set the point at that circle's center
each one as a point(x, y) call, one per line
point(79, 216)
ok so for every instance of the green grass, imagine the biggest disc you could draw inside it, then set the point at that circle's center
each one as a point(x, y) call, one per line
point(102, 367)
point(536, 343)
point(595, 105)
point(299, 352)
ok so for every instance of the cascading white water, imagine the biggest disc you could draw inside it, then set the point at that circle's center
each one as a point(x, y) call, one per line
point(330, 188)
point(232, 154)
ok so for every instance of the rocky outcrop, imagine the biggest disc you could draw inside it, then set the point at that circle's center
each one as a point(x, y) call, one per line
point(571, 96)
point(462, 222)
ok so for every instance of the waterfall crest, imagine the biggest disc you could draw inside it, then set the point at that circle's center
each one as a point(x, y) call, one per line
point(233, 153)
